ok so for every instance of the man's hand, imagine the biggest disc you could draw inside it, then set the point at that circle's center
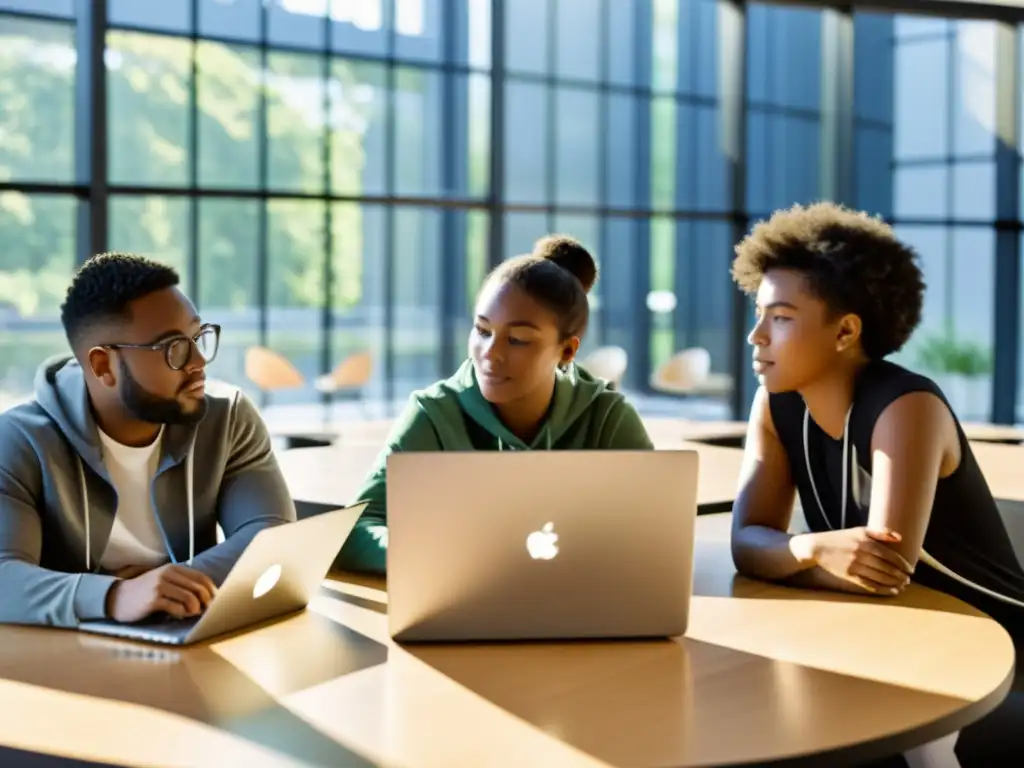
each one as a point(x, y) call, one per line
point(173, 589)
point(860, 557)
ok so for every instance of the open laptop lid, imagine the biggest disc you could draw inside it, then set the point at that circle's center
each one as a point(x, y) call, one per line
point(528, 544)
point(279, 572)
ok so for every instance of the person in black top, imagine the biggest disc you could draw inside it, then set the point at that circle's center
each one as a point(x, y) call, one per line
point(889, 487)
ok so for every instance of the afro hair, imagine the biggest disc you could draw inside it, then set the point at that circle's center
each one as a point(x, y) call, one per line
point(851, 261)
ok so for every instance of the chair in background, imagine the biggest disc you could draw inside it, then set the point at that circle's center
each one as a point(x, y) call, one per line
point(689, 373)
point(609, 363)
point(349, 377)
point(271, 371)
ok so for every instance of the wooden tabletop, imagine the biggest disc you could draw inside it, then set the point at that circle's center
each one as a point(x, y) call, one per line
point(993, 433)
point(335, 474)
point(765, 673)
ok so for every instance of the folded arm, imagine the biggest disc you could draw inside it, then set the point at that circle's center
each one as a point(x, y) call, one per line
point(253, 494)
point(912, 439)
point(32, 594)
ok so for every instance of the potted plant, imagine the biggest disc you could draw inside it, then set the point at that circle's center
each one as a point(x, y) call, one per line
point(960, 368)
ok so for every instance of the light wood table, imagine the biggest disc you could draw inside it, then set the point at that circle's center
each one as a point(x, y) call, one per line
point(764, 674)
point(334, 474)
point(993, 433)
point(666, 432)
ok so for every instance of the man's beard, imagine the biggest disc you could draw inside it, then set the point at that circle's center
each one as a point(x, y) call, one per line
point(152, 409)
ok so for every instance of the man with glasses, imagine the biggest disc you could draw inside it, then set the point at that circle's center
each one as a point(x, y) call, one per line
point(113, 480)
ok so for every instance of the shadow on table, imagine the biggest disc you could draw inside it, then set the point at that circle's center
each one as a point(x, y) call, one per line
point(686, 702)
point(232, 685)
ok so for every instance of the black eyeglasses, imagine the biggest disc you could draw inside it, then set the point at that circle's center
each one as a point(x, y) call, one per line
point(178, 349)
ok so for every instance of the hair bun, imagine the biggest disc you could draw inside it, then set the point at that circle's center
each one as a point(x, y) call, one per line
point(568, 253)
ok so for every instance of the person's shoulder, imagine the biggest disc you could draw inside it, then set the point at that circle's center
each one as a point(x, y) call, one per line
point(228, 404)
point(786, 410)
point(27, 434)
point(883, 382)
point(25, 422)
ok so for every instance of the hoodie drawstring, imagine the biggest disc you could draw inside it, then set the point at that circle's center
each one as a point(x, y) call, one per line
point(190, 502)
point(85, 512)
point(189, 463)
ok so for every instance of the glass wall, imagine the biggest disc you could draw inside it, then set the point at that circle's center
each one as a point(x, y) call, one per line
point(926, 159)
point(333, 177)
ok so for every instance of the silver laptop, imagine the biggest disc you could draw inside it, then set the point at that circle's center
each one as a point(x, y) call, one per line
point(278, 573)
point(540, 544)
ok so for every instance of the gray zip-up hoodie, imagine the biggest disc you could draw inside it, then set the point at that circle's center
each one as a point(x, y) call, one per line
point(57, 503)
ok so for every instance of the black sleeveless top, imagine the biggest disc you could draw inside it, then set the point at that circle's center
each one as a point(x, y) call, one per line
point(965, 534)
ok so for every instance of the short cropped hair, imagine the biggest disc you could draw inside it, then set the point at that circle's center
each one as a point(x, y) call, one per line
point(103, 288)
point(853, 262)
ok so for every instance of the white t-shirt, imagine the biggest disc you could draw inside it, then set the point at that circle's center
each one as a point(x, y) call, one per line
point(135, 536)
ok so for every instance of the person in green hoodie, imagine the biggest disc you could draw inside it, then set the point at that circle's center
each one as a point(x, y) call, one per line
point(520, 389)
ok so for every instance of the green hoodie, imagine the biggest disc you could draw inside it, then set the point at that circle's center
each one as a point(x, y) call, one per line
point(453, 415)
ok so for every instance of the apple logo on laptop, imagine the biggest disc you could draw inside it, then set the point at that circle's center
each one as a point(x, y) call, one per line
point(543, 544)
point(266, 581)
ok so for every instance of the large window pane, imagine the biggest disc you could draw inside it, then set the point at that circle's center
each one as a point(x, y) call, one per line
point(163, 16)
point(621, 150)
point(779, 72)
point(921, 192)
point(295, 264)
point(578, 34)
point(358, 288)
point(873, 67)
point(228, 87)
point(37, 100)
point(665, 45)
point(473, 227)
point(576, 147)
point(522, 231)
point(239, 20)
point(662, 301)
point(975, 111)
point(954, 341)
point(699, 28)
point(922, 98)
point(620, 47)
point(526, 40)
point(228, 279)
point(702, 183)
point(358, 128)
point(64, 8)
point(783, 161)
point(477, 88)
point(156, 227)
point(704, 289)
point(473, 33)
point(419, 26)
point(295, 123)
point(417, 132)
point(360, 27)
point(664, 146)
point(873, 175)
point(974, 191)
point(418, 275)
point(616, 312)
point(149, 81)
point(526, 142)
point(37, 259)
point(296, 23)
